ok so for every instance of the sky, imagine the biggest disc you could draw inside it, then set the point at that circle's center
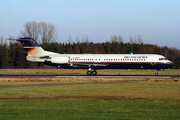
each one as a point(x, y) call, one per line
point(156, 21)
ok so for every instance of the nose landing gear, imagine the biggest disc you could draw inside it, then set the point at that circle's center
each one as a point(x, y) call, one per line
point(156, 73)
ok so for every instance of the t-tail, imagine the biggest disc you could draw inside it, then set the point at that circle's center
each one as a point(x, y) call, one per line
point(33, 49)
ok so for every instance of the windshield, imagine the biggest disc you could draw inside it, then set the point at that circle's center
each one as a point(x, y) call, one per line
point(162, 58)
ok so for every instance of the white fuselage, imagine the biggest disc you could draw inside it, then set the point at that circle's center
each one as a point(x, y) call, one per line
point(103, 61)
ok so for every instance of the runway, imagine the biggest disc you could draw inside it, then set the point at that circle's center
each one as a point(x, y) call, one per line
point(85, 76)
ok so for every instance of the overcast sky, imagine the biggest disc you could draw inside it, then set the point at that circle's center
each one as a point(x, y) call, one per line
point(157, 21)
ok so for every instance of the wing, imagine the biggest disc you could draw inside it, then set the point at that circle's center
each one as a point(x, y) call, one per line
point(88, 65)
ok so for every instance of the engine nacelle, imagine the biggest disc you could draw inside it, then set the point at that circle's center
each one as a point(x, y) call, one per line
point(60, 60)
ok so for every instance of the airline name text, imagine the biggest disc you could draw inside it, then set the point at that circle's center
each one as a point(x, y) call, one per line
point(136, 57)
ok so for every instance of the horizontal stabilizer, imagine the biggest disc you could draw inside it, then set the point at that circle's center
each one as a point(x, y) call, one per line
point(20, 39)
point(27, 42)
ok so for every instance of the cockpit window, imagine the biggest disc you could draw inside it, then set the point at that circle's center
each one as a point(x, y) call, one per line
point(162, 58)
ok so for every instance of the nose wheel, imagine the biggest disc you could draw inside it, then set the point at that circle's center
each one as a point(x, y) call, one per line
point(91, 72)
point(156, 73)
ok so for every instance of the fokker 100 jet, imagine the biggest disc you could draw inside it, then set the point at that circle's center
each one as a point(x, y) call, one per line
point(93, 62)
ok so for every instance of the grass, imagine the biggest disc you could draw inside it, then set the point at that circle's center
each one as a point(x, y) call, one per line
point(83, 72)
point(87, 109)
point(154, 91)
point(144, 100)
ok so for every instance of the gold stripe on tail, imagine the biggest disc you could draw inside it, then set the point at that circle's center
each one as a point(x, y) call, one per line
point(31, 50)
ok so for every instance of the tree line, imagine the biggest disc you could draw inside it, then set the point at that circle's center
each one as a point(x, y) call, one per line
point(13, 55)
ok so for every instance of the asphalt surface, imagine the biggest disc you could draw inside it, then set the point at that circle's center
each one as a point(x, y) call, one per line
point(85, 76)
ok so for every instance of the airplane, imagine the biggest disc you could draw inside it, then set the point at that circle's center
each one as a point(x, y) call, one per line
point(93, 62)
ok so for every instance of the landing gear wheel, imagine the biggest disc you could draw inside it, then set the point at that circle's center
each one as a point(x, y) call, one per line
point(89, 73)
point(94, 73)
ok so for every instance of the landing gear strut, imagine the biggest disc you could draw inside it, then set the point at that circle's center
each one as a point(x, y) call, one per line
point(91, 72)
point(156, 73)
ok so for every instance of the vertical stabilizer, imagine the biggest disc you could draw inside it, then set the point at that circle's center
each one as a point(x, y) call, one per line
point(31, 46)
point(34, 51)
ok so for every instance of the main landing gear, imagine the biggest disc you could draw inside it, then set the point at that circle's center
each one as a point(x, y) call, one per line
point(91, 72)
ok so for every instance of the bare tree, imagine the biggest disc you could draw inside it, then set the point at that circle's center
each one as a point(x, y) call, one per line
point(69, 39)
point(140, 39)
point(2, 41)
point(120, 39)
point(131, 40)
point(135, 40)
point(48, 32)
point(42, 32)
point(31, 30)
point(77, 39)
point(113, 38)
point(12, 41)
point(85, 38)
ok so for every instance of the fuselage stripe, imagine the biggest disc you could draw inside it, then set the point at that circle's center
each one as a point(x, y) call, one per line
point(117, 62)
